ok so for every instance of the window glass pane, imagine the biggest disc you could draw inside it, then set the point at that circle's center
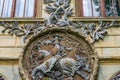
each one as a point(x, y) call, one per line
point(112, 7)
point(109, 8)
point(19, 11)
point(117, 5)
point(96, 7)
point(29, 9)
point(1, 5)
point(7, 8)
point(87, 11)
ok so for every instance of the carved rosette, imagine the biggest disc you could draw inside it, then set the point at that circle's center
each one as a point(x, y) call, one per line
point(58, 54)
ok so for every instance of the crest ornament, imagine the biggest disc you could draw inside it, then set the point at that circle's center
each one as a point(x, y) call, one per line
point(58, 54)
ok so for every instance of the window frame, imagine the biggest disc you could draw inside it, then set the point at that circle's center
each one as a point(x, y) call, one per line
point(13, 9)
point(79, 9)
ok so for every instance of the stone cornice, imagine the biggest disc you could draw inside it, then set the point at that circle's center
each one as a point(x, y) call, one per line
point(113, 59)
point(22, 19)
point(95, 19)
point(86, 19)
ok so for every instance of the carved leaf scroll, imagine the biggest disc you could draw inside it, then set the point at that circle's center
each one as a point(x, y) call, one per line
point(27, 30)
point(60, 11)
point(96, 31)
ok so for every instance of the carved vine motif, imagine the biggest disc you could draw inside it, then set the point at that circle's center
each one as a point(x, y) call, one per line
point(59, 56)
point(95, 31)
point(60, 11)
point(26, 30)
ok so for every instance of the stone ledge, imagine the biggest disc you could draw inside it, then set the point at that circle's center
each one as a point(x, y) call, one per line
point(10, 53)
point(115, 59)
point(86, 19)
point(8, 59)
point(22, 19)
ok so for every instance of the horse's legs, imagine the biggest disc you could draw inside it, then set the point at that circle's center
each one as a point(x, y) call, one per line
point(34, 72)
point(83, 75)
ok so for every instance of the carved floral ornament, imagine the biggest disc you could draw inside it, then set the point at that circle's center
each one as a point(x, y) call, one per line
point(58, 54)
point(60, 11)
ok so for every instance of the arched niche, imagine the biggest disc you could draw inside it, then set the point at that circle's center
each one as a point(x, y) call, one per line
point(63, 53)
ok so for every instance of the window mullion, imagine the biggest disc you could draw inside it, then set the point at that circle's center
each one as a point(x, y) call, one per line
point(24, 9)
point(2, 7)
point(91, 7)
point(80, 8)
point(13, 8)
point(102, 8)
point(114, 7)
point(119, 3)
point(34, 11)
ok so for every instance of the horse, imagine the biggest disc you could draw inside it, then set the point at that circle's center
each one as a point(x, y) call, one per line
point(68, 66)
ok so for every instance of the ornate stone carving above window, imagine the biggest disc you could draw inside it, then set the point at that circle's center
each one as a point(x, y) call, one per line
point(60, 11)
point(94, 30)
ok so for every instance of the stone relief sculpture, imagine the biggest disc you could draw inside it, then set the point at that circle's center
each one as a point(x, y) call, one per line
point(58, 55)
point(66, 66)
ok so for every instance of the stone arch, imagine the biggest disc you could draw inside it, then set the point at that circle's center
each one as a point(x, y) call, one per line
point(2, 77)
point(73, 43)
point(115, 76)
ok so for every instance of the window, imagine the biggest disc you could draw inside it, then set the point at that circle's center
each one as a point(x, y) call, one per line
point(5, 8)
point(112, 7)
point(24, 8)
point(90, 8)
point(96, 8)
point(17, 8)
